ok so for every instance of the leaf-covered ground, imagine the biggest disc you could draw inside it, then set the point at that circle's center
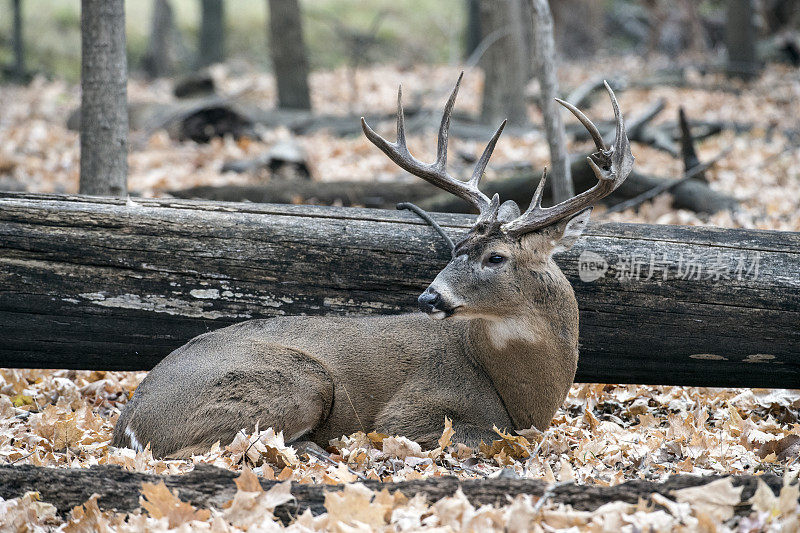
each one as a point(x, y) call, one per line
point(604, 434)
point(40, 154)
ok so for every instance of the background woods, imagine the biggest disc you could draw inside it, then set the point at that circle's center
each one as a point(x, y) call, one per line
point(167, 111)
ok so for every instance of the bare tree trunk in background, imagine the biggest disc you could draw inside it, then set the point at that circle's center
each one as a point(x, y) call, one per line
point(525, 13)
point(104, 109)
point(696, 35)
point(503, 65)
point(544, 60)
point(579, 26)
point(289, 56)
point(19, 43)
point(160, 56)
point(472, 34)
point(211, 47)
point(740, 37)
point(657, 15)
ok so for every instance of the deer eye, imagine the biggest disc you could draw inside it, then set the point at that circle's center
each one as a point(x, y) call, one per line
point(495, 259)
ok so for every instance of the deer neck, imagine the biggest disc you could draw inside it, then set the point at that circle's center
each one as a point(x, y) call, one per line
point(531, 359)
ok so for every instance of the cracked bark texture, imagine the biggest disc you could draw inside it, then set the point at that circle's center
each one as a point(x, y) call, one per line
point(104, 110)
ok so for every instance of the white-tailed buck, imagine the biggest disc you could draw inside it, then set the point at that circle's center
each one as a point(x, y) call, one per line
point(503, 353)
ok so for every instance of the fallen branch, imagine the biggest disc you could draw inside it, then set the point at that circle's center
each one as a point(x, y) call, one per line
point(209, 486)
point(688, 151)
point(694, 195)
point(579, 97)
point(667, 186)
point(514, 182)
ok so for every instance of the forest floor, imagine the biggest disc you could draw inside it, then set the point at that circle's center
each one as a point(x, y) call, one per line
point(604, 434)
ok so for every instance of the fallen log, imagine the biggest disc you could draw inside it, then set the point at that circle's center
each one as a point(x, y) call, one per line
point(694, 195)
point(375, 194)
point(209, 486)
point(101, 283)
point(517, 184)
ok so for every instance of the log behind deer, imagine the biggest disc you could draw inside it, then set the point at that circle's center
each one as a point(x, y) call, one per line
point(502, 350)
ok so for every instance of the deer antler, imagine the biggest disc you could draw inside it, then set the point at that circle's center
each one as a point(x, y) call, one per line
point(610, 165)
point(436, 173)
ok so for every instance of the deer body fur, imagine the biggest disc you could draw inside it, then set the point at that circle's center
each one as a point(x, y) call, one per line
point(292, 374)
point(503, 353)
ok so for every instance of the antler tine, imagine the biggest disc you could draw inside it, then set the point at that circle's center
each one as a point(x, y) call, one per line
point(444, 127)
point(588, 124)
point(401, 120)
point(480, 166)
point(536, 201)
point(615, 163)
point(435, 173)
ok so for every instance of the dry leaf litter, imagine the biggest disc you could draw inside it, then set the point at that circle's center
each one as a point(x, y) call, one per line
point(41, 155)
point(604, 434)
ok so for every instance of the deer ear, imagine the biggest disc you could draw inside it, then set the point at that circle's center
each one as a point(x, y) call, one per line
point(565, 233)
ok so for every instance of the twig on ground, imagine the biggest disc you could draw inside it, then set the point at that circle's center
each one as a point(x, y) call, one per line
point(551, 490)
point(324, 457)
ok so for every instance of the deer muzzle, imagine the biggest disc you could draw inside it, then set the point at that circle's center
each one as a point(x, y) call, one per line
point(431, 302)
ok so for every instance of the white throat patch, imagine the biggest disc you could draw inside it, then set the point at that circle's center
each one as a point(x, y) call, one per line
point(503, 331)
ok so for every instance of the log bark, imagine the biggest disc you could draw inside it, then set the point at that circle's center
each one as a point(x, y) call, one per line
point(107, 284)
point(104, 89)
point(209, 486)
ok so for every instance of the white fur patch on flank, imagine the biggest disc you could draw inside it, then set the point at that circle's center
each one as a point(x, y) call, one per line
point(437, 315)
point(135, 444)
point(501, 332)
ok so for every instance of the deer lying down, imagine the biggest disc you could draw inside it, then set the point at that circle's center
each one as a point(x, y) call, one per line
point(503, 351)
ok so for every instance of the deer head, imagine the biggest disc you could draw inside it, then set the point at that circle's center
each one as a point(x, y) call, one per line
point(507, 254)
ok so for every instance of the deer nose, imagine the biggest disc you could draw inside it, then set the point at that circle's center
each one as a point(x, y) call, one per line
point(428, 300)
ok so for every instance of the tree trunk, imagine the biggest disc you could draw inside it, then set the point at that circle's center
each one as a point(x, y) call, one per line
point(289, 56)
point(108, 284)
point(544, 60)
point(579, 27)
point(472, 33)
point(159, 59)
point(104, 110)
point(503, 65)
point(741, 37)
point(212, 33)
point(19, 43)
point(208, 485)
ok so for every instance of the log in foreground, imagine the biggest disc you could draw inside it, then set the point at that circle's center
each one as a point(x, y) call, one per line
point(103, 284)
point(207, 486)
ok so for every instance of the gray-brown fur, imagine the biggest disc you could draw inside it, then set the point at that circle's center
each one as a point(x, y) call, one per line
point(318, 378)
point(503, 351)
